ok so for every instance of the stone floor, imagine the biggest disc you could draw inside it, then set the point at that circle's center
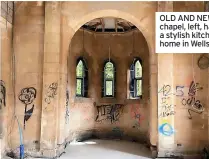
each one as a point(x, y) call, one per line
point(106, 149)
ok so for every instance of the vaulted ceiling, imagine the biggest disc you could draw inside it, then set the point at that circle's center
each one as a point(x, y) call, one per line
point(109, 24)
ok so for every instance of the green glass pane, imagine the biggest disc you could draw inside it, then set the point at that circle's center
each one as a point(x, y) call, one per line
point(109, 88)
point(109, 70)
point(138, 70)
point(79, 69)
point(78, 87)
point(139, 87)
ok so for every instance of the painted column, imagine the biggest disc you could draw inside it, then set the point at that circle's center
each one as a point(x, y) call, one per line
point(166, 102)
point(51, 80)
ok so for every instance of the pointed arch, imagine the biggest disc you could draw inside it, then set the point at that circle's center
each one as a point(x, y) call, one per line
point(135, 85)
point(109, 79)
point(81, 78)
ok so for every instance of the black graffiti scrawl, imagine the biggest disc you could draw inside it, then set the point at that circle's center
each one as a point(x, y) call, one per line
point(51, 92)
point(2, 94)
point(193, 88)
point(193, 104)
point(67, 112)
point(110, 112)
point(27, 96)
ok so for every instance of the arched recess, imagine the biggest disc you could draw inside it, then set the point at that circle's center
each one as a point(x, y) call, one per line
point(65, 23)
point(138, 22)
point(69, 28)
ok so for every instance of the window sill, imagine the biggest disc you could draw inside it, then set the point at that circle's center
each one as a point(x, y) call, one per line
point(108, 100)
point(134, 101)
point(83, 100)
point(108, 97)
point(138, 98)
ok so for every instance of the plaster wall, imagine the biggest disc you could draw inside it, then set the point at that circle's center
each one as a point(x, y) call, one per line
point(42, 36)
point(6, 95)
point(28, 50)
point(140, 14)
point(177, 128)
point(133, 119)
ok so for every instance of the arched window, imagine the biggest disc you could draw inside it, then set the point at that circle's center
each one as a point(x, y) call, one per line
point(108, 89)
point(81, 78)
point(136, 79)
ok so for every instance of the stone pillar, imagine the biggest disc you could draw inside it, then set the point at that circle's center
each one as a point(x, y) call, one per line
point(66, 34)
point(153, 82)
point(153, 98)
point(63, 103)
point(6, 89)
point(153, 70)
point(51, 80)
point(165, 97)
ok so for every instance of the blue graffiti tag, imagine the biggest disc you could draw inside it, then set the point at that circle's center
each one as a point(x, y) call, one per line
point(166, 129)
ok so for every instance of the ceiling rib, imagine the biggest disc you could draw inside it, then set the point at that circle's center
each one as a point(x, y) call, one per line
point(109, 25)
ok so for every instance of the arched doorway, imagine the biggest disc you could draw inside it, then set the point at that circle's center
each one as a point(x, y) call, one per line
point(103, 101)
point(108, 80)
point(70, 22)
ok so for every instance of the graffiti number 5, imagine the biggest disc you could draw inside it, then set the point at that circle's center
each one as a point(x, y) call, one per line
point(179, 92)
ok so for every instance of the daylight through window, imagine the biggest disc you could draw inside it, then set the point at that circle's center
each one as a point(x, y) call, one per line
point(136, 79)
point(109, 80)
point(81, 78)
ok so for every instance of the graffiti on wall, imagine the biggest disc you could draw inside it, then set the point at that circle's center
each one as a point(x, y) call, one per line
point(193, 88)
point(2, 94)
point(193, 104)
point(148, 93)
point(137, 116)
point(51, 92)
point(165, 90)
point(27, 96)
point(67, 111)
point(166, 129)
point(166, 107)
point(111, 112)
